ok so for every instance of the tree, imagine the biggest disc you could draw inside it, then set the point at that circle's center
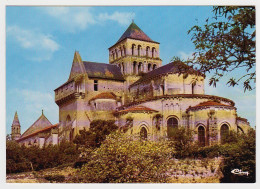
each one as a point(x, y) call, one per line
point(122, 160)
point(182, 142)
point(97, 133)
point(226, 44)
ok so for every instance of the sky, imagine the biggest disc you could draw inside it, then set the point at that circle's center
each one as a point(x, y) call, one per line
point(41, 41)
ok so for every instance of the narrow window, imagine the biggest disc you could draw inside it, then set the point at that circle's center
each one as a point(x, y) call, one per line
point(153, 52)
point(193, 88)
point(154, 66)
point(139, 50)
point(95, 85)
point(147, 51)
point(143, 133)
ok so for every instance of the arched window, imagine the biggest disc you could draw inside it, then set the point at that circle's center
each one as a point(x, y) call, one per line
point(134, 67)
point(140, 65)
point(139, 50)
point(71, 134)
point(172, 125)
point(201, 136)
point(147, 51)
point(116, 54)
point(143, 133)
point(149, 67)
point(153, 52)
point(162, 89)
point(121, 53)
point(133, 49)
point(124, 50)
point(224, 132)
point(193, 88)
point(68, 121)
point(154, 66)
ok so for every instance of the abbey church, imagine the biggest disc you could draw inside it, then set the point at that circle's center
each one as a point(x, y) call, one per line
point(144, 98)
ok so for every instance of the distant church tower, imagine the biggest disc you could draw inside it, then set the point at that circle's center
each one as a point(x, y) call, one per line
point(135, 53)
point(16, 128)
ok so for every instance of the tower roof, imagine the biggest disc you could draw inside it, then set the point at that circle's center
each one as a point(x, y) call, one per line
point(171, 68)
point(16, 120)
point(77, 57)
point(103, 71)
point(41, 123)
point(134, 32)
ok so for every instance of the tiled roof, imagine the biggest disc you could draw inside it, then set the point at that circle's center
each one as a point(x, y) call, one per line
point(41, 123)
point(16, 120)
point(173, 67)
point(137, 109)
point(209, 104)
point(39, 131)
point(193, 96)
point(103, 71)
point(134, 32)
point(104, 95)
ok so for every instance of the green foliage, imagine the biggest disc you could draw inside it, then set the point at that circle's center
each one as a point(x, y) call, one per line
point(55, 178)
point(240, 155)
point(182, 141)
point(97, 133)
point(121, 160)
point(226, 43)
point(20, 158)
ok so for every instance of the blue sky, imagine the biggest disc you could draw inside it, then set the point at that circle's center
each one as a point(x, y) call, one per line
point(40, 44)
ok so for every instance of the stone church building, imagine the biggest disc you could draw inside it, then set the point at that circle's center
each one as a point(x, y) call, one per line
point(142, 96)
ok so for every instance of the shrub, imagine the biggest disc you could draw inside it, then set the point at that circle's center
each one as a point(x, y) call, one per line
point(20, 158)
point(96, 134)
point(121, 160)
point(240, 155)
point(182, 142)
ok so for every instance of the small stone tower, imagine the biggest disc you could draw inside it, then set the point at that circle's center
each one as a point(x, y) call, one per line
point(16, 128)
point(135, 54)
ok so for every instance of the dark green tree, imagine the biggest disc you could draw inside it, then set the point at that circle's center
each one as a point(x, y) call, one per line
point(226, 43)
point(96, 134)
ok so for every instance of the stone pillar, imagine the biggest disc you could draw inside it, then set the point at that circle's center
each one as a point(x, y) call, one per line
point(212, 128)
point(145, 67)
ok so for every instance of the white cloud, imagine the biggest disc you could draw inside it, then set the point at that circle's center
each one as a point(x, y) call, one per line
point(32, 102)
point(185, 55)
point(122, 18)
point(73, 19)
point(42, 45)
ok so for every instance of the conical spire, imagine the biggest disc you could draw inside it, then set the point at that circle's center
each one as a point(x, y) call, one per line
point(16, 128)
point(134, 32)
point(16, 119)
point(77, 57)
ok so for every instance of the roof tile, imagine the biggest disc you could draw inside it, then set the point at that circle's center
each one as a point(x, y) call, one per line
point(103, 71)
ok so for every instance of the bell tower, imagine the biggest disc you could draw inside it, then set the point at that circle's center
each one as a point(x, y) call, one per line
point(16, 128)
point(135, 54)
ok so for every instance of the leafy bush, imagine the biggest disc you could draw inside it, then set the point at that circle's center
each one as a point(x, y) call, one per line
point(182, 142)
point(240, 155)
point(97, 133)
point(121, 160)
point(20, 158)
